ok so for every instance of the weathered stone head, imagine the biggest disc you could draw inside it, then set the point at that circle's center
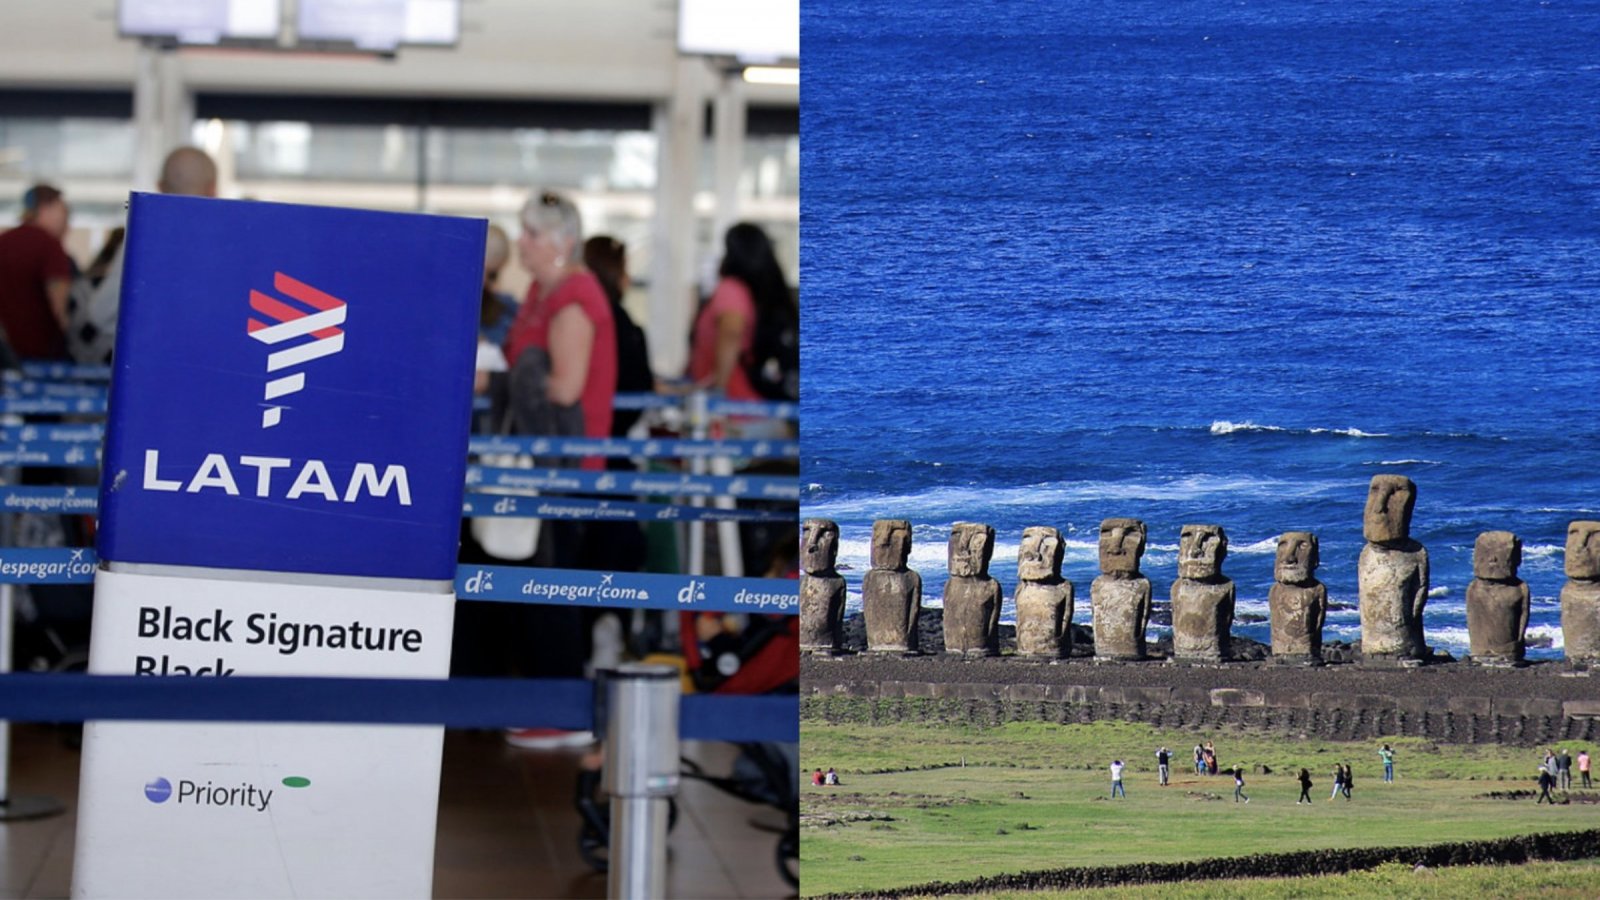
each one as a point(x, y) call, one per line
point(1496, 556)
point(1121, 545)
point(1040, 557)
point(819, 550)
point(971, 548)
point(1583, 550)
point(1390, 500)
point(1201, 550)
point(891, 544)
point(1298, 558)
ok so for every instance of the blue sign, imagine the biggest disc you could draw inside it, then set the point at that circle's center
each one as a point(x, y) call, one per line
point(632, 590)
point(291, 388)
point(650, 448)
point(579, 481)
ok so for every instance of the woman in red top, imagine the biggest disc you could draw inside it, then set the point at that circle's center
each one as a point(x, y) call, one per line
point(566, 314)
point(752, 287)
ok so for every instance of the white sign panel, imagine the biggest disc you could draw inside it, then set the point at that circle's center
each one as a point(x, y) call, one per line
point(266, 810)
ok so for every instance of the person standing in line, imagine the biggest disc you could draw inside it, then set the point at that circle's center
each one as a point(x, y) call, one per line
point(1162, 759)
point(1116, 780)
point(1338, 781)
point(1546, 781)
point(1238, 785)
point(1387, 755)
point(1305, 787)
point(1564, 769)
point(1348, 781)
point(1583, 767)
point(36, 277)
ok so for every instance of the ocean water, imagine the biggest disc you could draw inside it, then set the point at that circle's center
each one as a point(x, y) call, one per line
point(1196, 262)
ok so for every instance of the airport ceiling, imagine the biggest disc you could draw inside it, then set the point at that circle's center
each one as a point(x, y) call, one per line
point(510, 49)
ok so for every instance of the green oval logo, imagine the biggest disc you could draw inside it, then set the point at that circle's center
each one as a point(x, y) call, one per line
point(296, 781)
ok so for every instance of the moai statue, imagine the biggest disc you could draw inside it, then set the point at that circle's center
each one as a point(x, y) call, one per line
point(821, 589)
point(1392, 574)
point(1497, 600)
point(1580, 596)
point(1202, 597)
point(1044, 598)
point(1119, 599)
point(1298, 602)
point(971, 597)
point(891, 593)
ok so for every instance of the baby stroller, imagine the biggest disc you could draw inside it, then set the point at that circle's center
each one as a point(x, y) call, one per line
point(731, 655)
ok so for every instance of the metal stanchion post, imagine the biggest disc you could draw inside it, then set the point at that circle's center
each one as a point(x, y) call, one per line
point(641, 774)
point(698, 419)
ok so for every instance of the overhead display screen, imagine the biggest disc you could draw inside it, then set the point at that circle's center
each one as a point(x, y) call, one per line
point(753, 31)
point(380, 25)
point(200, 21)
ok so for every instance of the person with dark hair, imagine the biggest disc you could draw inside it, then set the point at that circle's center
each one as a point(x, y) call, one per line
point(1546, 782)
point(36, 277)
point(607, 258)
point(739, 346)
point(1238, 785)
point(1305, 786)
point(1163, 758)
point(1347, 781)
point(1387, 755)
point(1338, 781)
point(1583, 767)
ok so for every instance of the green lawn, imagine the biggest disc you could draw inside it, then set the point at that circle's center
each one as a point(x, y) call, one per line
point(920, 804)
point(1552, 881)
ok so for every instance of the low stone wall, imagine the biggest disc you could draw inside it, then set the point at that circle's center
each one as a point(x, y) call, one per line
point(1334, 717)
point(1525, 848)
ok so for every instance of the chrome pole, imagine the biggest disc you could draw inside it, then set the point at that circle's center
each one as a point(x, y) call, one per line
point(641, 774)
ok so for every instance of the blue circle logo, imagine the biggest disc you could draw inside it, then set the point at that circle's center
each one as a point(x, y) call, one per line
point(158, 791)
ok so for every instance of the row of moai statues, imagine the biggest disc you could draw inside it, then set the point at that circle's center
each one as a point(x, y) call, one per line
point(1392, 577)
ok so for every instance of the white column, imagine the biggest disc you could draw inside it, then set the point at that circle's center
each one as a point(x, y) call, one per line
point(163, 112)
point(728, 123)
point(147, 131)
point(679, 127)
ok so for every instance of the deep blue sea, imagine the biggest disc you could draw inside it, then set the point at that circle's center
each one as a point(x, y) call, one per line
point(1204, 262)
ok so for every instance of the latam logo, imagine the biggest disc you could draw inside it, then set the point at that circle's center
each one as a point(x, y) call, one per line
point(319, 323)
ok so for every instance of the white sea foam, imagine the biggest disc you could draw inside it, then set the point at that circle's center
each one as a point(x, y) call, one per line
point(1452, 638)
point(1349, 432)
point(1438, 592)
point(956, 503)
point(1404, 462)
point(1265, 545)
point(1553, 632)
point(1223, 426)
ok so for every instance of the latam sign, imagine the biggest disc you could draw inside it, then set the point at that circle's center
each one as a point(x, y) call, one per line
point(278, 384)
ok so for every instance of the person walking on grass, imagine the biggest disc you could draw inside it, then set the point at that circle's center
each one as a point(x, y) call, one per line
point(1338, 781)
point(1116, 780)
point(1305, 787)
point(1387, 755)
point(1583, 767)
point(1162, 759)
point(1347, 781)
point(1238, 785)
point(1546, 782)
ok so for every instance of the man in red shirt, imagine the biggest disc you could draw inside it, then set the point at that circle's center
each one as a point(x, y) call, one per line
point(36, 277)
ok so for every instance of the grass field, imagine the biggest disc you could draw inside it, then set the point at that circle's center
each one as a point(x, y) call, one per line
point(922, 803)
point(1550, 881)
